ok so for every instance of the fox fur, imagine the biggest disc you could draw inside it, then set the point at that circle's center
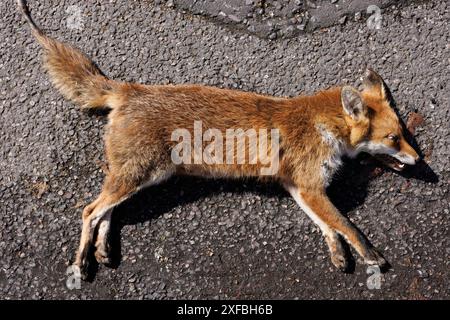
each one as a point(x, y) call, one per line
point(315, 133)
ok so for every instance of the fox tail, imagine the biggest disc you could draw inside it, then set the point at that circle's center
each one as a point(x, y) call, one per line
point(72, 72)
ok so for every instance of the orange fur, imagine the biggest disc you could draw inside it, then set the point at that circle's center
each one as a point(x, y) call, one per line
point(315, 132)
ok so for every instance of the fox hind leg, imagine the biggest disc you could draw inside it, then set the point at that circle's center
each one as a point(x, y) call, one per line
point(119, 185)
point(102, 245)
point(92, 215)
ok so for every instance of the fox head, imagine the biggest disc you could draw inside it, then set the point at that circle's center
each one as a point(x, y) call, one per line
point(374, 125)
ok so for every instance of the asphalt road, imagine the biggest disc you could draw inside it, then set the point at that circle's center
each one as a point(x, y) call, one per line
point(194, 238)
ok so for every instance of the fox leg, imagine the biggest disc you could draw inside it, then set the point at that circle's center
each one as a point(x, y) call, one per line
point(102, 245)
point(111, 196)
point(337, 252)
point(120, 184)
point(319, 208)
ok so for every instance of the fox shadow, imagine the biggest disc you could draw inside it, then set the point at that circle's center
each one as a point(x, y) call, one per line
point(150, 203)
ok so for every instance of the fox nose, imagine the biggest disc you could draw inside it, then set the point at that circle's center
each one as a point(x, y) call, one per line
point(418, 159)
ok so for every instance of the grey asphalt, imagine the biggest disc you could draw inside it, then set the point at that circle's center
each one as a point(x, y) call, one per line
point(194, 238)
point(272, 19)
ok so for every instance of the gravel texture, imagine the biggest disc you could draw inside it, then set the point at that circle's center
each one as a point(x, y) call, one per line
point(194, 238)
point(273, 19)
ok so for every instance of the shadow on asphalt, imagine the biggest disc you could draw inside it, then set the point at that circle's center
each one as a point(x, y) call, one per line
point(154, 201)
point(157, 200)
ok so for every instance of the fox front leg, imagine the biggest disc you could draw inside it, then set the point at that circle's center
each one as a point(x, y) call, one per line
point(319, 208)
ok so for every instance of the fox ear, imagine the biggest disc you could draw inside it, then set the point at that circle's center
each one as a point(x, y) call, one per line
point(373, 82)
point(352, 103)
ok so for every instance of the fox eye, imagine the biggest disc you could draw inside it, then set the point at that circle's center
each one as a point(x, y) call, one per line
point(393, 137)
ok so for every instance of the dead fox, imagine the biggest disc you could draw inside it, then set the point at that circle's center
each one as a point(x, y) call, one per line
point(315, 132)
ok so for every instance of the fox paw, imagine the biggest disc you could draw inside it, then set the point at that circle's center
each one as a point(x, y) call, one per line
point(83, 269)
point(103, 248)
point(102, 257)
point(374, 257)
point(340, 261)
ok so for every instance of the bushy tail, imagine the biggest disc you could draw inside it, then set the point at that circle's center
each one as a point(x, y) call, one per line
point(71, 71)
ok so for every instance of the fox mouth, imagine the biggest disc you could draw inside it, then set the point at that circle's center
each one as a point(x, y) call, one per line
point(391, 162)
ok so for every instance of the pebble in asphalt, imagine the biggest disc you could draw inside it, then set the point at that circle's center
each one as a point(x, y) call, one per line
point(194, 238)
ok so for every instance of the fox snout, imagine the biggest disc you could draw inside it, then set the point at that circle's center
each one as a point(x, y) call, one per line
point(407, 154)
point(397, 159)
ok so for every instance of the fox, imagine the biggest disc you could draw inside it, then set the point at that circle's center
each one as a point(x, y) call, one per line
point(316, 132)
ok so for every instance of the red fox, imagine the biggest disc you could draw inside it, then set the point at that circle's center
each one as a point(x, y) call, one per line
point(314, 133)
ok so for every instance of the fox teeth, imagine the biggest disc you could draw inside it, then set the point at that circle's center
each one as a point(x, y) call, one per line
point(401, 165)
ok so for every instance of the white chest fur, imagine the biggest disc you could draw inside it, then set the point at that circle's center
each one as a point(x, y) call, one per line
point(337, 149)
